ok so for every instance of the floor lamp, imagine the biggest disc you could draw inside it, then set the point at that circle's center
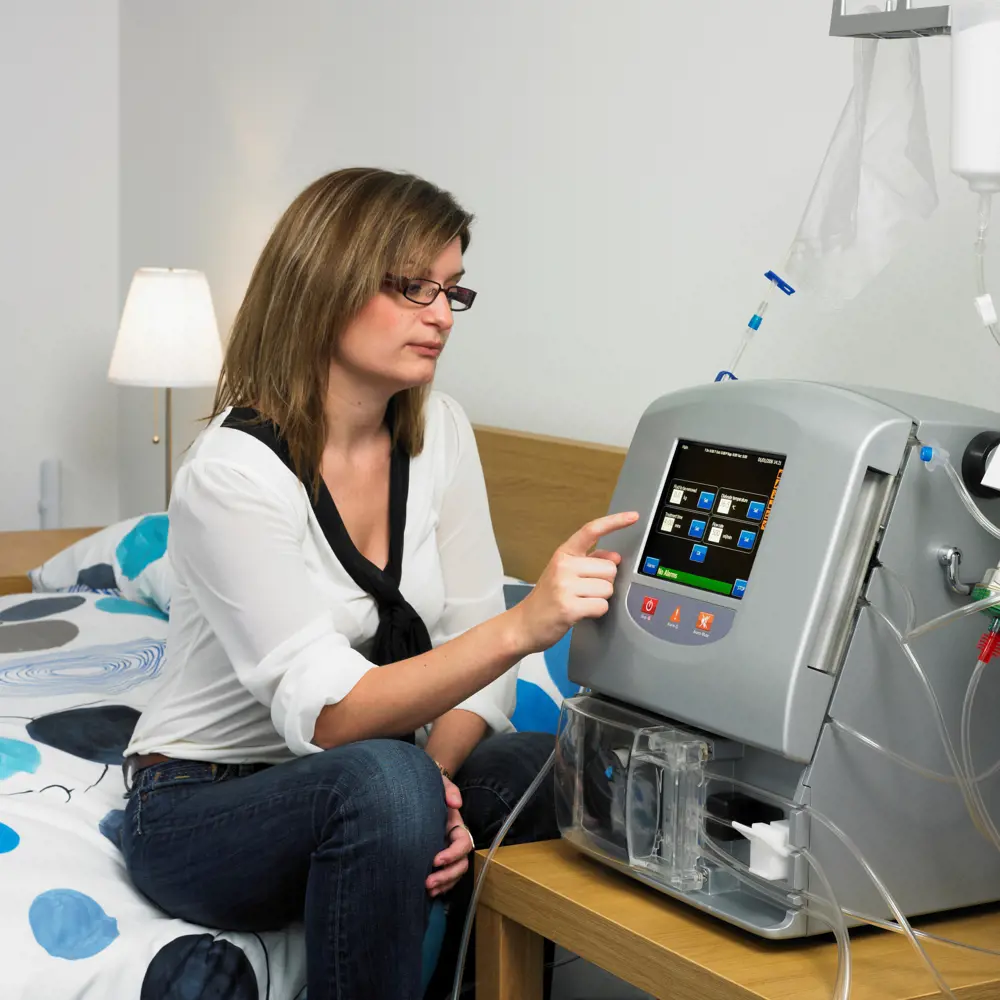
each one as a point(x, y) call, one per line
point(168, 339)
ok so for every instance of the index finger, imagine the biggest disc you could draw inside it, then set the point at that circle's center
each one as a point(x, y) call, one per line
point(580, 543)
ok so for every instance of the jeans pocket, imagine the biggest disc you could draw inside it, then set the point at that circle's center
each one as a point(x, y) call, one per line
point(151, 782)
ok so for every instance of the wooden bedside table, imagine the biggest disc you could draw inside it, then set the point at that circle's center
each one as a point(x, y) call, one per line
point(549, 890)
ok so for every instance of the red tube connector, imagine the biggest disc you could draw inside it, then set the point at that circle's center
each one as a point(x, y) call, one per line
point(989, 646)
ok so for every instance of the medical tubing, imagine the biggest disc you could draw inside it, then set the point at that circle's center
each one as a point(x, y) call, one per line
point(823, 908)
point(949, 748)
point(891, 925)
point(860, 858)
point(963, 494)
point(911, 608)
point(755, 322)
point(497, 841)
point(951, 616)
point(885, 894)
point(913, 632)
point(925, 772)
point(985, 209)
point(842, 990)
point(966, 742)
point(765, 794)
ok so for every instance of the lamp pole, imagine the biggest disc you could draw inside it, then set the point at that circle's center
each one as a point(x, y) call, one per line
point(168, 445)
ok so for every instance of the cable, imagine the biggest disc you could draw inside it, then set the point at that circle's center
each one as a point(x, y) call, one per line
point(497, 841)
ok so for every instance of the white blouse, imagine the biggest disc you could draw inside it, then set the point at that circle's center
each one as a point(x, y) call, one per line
point(267, 627)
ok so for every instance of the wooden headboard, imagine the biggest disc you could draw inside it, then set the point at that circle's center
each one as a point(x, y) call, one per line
point(541, 490)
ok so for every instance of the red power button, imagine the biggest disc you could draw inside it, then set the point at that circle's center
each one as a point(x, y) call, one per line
point(649, 605)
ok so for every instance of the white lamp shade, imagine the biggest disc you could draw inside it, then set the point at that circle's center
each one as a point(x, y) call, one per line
point(168, 337)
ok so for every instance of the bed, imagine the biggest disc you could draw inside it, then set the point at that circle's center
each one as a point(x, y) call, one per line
point(81, 652)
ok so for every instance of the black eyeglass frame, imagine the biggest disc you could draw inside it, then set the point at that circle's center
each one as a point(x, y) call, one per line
point(462, 302)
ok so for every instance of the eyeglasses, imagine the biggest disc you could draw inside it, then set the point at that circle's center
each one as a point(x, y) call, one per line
point(423, 291)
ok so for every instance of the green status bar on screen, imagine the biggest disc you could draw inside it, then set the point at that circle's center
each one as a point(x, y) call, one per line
point(704, 582)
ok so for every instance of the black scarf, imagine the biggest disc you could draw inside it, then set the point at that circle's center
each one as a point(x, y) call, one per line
point(401, 631)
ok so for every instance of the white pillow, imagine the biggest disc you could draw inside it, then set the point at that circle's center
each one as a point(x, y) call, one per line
point(130, 556)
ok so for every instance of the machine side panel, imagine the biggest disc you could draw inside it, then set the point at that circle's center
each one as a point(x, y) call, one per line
point(903, 822)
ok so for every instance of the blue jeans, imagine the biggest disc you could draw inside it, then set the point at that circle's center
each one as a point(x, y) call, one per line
point(342, 840)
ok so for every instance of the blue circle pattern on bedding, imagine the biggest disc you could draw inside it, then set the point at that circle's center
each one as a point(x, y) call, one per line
point(69, 924)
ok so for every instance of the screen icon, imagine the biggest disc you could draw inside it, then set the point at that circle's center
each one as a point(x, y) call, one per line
point(696, 529)
point(755, 511)
point(676, 496)
point(705, 500)
point(667, 524)
point(704, 622)
point(725, 505)
point(747, 538)
point(676, 616)
point(698, 553)
point(651, 565)
point(649, 605)
point(739, 588)
point(716, 533)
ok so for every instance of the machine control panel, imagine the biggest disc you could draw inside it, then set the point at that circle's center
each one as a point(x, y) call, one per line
point(687, 621)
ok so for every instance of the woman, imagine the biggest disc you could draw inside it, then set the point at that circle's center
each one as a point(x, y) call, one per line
point(333, 519)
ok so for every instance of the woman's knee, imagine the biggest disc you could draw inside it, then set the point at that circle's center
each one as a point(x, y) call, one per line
point(395, 799)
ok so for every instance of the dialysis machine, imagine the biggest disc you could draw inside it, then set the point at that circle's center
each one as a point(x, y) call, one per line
point(752, 673)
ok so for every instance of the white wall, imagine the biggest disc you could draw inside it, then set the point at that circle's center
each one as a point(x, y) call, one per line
point(58, 256)
point(635, 168)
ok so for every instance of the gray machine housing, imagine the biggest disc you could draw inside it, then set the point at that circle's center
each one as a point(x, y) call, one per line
point(803, 646)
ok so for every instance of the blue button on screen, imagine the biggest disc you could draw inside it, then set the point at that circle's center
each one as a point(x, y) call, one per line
point(739, 588)
point(747, 538)
point(696, 529)
point(651, 565)
point(698, 553)
point(706, 500)
point(755, 511)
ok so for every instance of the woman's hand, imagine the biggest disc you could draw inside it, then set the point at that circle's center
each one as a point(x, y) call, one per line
point(576, 584)
point(453, 862)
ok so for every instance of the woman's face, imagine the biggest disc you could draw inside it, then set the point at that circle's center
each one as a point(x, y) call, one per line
point(396, 343)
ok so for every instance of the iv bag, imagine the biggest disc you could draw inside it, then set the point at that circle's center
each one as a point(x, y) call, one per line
point(876, 182)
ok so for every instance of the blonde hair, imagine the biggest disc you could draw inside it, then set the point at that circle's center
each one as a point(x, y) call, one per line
point(326, 258)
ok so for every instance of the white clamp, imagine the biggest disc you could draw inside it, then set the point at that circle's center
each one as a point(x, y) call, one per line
point(987, 311)
point(769, 850)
